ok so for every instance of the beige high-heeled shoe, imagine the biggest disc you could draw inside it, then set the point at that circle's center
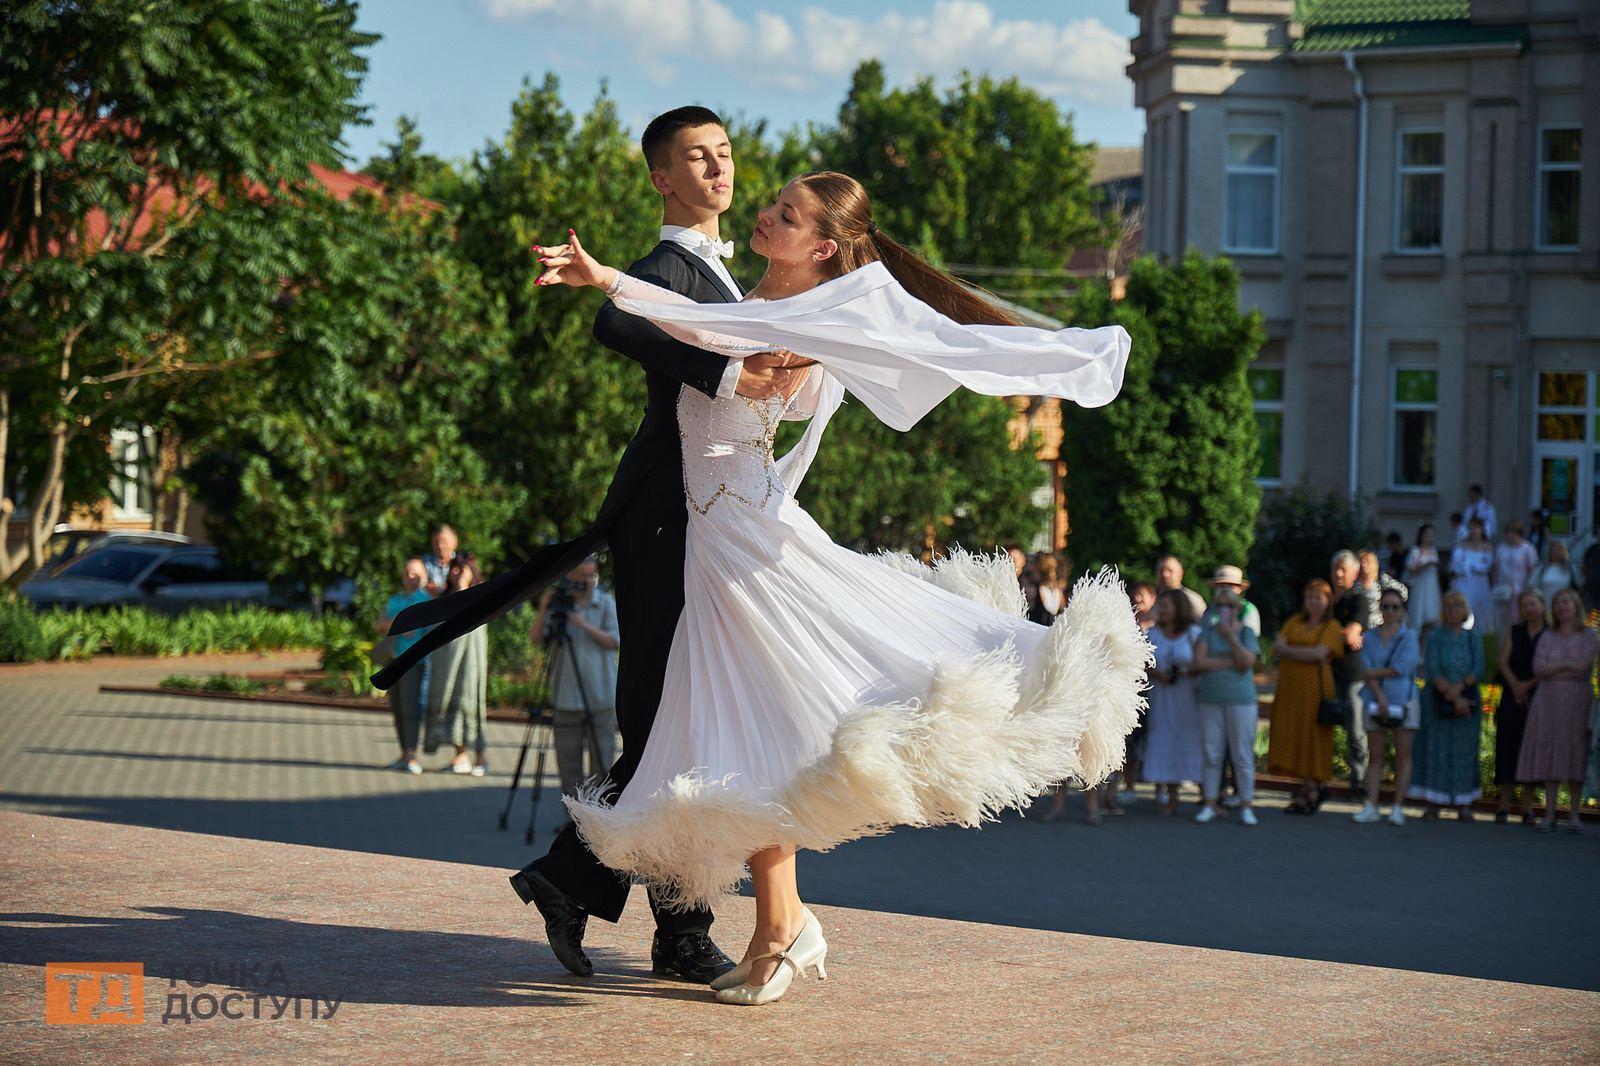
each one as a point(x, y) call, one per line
point(808, 952)
point(741, 973)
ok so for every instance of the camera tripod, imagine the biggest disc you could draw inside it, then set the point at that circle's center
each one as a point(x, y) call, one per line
point(542, 718)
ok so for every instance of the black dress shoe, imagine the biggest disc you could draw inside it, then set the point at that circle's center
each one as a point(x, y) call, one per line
point(564, 919)
point(690, 956)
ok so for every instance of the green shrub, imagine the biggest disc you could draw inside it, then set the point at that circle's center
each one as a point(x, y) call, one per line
point(507, 691)
point(22, 639)
point(79, 634)
point(215, 683)
point(346, 651)
point(510, 643)
point(1297, 532)
point(232, 683)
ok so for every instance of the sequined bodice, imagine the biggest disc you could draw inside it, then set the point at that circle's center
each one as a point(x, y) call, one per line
point(727, 450)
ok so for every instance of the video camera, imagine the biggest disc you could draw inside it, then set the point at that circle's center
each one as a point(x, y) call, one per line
point(563, 598)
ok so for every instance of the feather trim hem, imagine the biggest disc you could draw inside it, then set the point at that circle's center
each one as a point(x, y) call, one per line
point(990, 734)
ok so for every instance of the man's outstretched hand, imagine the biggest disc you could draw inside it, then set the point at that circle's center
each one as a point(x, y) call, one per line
point(775, 373)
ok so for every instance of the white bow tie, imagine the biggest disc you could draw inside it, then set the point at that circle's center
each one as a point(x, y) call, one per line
point(709, 248)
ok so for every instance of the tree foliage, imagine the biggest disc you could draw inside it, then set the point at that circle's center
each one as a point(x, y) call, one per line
point(553, 419)
point(952, 478)
point(140, 237)
point(989, 173)
point(378, 365)
point(338, 460)
point(405, 167)
point(1170, 466)
point(1297, 533)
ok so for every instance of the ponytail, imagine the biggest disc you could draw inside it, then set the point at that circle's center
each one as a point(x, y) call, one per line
point(935, 288)
point(846, 219)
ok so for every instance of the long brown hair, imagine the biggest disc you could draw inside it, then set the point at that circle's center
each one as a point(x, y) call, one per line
point(846, 219)
point(1182, 609)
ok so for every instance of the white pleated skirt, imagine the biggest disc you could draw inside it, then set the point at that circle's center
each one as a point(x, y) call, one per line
point(815, 695)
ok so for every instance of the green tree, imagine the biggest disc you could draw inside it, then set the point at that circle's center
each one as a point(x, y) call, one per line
point(1297, 533)
point(142, 237)
point(953, 478)
point(554, 419)
point(1170, 465)
point(337, 460)
point(990, 173)
point(405, 167)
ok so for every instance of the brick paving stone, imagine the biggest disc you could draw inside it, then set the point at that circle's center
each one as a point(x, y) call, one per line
point(433, 960)
point(1473, 900)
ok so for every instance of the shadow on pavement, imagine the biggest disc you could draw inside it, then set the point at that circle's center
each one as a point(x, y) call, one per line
point(343, 962)
point(1475, 899)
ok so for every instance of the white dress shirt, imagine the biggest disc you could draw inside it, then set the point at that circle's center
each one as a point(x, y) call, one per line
point(700, 245)
point(1482, 509)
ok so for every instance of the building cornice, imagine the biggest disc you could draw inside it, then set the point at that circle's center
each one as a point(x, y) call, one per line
point(1438, 51)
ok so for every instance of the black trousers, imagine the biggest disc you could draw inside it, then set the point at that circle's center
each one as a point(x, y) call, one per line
point(647, 549)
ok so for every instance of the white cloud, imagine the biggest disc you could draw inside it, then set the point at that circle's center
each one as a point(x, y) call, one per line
point(1080, 61)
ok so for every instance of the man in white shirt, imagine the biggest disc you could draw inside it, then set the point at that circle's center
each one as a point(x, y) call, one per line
point(1169, 575)
point(1477, 507)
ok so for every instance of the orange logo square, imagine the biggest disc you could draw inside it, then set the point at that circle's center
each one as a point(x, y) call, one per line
point(93, 993)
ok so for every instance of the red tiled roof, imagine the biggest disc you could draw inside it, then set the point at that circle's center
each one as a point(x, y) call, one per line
point(160, 200)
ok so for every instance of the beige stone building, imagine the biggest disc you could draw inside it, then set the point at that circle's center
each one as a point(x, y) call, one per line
point(1413, 200)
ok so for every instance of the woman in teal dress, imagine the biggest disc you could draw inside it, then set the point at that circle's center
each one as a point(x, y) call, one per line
point(1445, 755)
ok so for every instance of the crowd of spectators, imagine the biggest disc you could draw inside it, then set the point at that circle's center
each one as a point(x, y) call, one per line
point(1387, 655)
point(1385, 663)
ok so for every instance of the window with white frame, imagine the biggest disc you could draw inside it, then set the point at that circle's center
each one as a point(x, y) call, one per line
point(1413, 435)
point(1250, 198)
point(1419, 199)
point(131, 453)
point(1560, 168)
point(1266, 391)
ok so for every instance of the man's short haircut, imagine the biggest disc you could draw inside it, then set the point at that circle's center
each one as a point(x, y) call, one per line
point(1475, 487)
point(657, 139)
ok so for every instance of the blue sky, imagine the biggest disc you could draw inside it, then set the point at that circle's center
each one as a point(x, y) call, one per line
point(456, 64)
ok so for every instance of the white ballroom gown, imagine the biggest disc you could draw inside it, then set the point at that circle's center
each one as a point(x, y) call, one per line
point(815, 695)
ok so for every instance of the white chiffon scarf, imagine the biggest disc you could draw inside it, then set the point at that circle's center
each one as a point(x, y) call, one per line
point(896, 354)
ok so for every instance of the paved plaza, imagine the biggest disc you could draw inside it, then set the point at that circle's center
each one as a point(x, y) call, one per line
point(171, 830)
